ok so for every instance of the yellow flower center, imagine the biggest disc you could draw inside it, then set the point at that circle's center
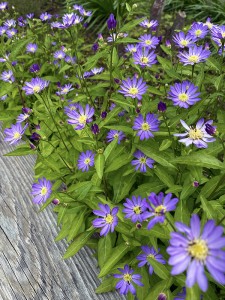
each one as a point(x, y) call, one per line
point(65, 90)
point(151, 256)
point(87, 161)
point(137, 210)
point(223, 35)
point(32, 49)
point(133, 91)
point(195, 134)
point(116, 135)
point(127, 277)
point(148, 42)
point(82, 119)
point(193, 58)
point(198, 249)
point(159, 210)
point(36, 89)
point(145, 126)
point(144, 60)
point(60, 56)
point(184, 43)
point(210, 25)
point(183, 97)
point(198, 32)
point(148, 25)
point(8, 76)
point(134, 49)
point(142, 160)
point(109, 219)
point(17, 135)
point(44, 191)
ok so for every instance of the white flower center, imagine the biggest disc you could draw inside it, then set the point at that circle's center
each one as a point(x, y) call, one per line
point(82, 119)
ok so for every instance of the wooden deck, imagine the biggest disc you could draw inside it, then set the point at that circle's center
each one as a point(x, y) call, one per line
point(31, 265)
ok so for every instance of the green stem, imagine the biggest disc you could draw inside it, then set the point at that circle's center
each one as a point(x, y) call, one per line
point(165, 120)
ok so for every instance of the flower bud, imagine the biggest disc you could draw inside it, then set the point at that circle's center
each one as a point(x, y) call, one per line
point(210, 129)
point(95, 129)
point(111, 22)
point(162, 296)
point(55, 201)
point(161, 106)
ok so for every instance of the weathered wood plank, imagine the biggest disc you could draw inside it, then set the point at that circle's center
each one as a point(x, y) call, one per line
point(31, 265)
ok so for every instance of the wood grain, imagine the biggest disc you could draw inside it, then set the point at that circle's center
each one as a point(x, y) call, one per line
point(31, 265)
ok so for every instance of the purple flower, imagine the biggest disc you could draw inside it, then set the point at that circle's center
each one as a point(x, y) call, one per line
point(86, 160)
point(85, 13)
point(95, 47)
point(108, 219)
point(3, 6)
point(158, 206)
point(132, 48)
point(144, 57)
point(2, 30)
point(208, 23)
point(64, 90)
point(30, 16)
point(80, 118)
point(71, 107)
point(218, 34)
point(127, 277)
point(210, 129)
point(198, 30)
point(142, 161)
point(146, 126)
point(111, 22)
point(197, 136)
point(34, 68)
point(148, 41)
point(95, 129)
point(10, 23)
point(134, 208)
point(7, 76)
point(181, 295)
point(194, 55)
point(11, 32)
point(184, 94)
point(32, 48)
point(192, 249)
point(45, 16)
point(161, 106)
point(14, 133)
point(182, 41)
point(36, 85)
point(70, 59)
point(96, 71)
point(133, 87)
point(41, 190)
point(22, 117)
point(115, 134)
point(149, 24)
point(149, 252)
point(59, 54)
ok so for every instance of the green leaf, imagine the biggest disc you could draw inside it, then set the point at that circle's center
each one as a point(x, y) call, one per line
point(107, 285)
point(158, 231)
point(128, 26)
point(125, 129)
point(159, 287)
point(208, 209)
point(118, 163)
point(182, 213)
point(104, 249)
point(197, 159)
point(142, 291)
point(75, 227)
point(117, 253)
point(155, 91)
point(78, 243)
point(164, 176)
point(111, 147)
point(165, 145)
point(218, 82)
point(193, 293)
point(21, 150)
point(99, 164)
point(213, 63)
point(159, 268)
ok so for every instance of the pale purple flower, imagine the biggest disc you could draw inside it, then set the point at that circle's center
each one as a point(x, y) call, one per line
point(14, 133)
point(96, 71)
point(127, 278)
point(133, 87)
point(86, 160)
point(84, 12)
point(60, 54)
point(115, 135)
point(45, 16)
point(193, 249)
point(41, 190)
point(149, 252)
point(218, 34)
point(142, 161)
point(80, 117)
point(198, 30)
point(197, 136)
point(184, 94)
point(148, 41)
point(7, 76)
point(194, 55)
point(10, 23)
point(149, 24)
point(145, 126)
point(3, 6)
point(36, 85)
point(208, 23)
point(182, 40)
point(32, 48)
point(11, 32)
point(134, 209)
point(22, 117)
point(144, 57)
point(108, 218)
point(65, 89)
point(2, 30)
point(30, 16)
point(132, 48)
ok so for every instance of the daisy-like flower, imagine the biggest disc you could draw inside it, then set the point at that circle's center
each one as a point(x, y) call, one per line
point(70, 59)
point(208, 23)
point(182, 41)
point(86, 160)
point(146, 126)
point(113, 36)
point(142, 161)
point(115, 135)
point(3, 6)
point(10, 23)
point(64, 90)
point(149, 252)
point(184, 94)
point(134, 209)
point(36, 85)
point(127, 278)
point(7, 76)
point(218, 34)
point(59, 54)
point(132, 48)
point(157, 206)
point(30, 16)
point(14, 133)
point(133, 87)
point(197, 136)
point(193, 249)
point(2, 30)
point(149, 24)
point(32, 48)
point(22, 117)
point(108, 219)
point(148, 41)
point(194, 55)
point(80, 117)
point(144, 57)
point(198, 30)
point(34, 68)
point(11, 32)
point(84, 12)
point(41, 190)
point(96, 71)
point(45, 16)
point(77, 7)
